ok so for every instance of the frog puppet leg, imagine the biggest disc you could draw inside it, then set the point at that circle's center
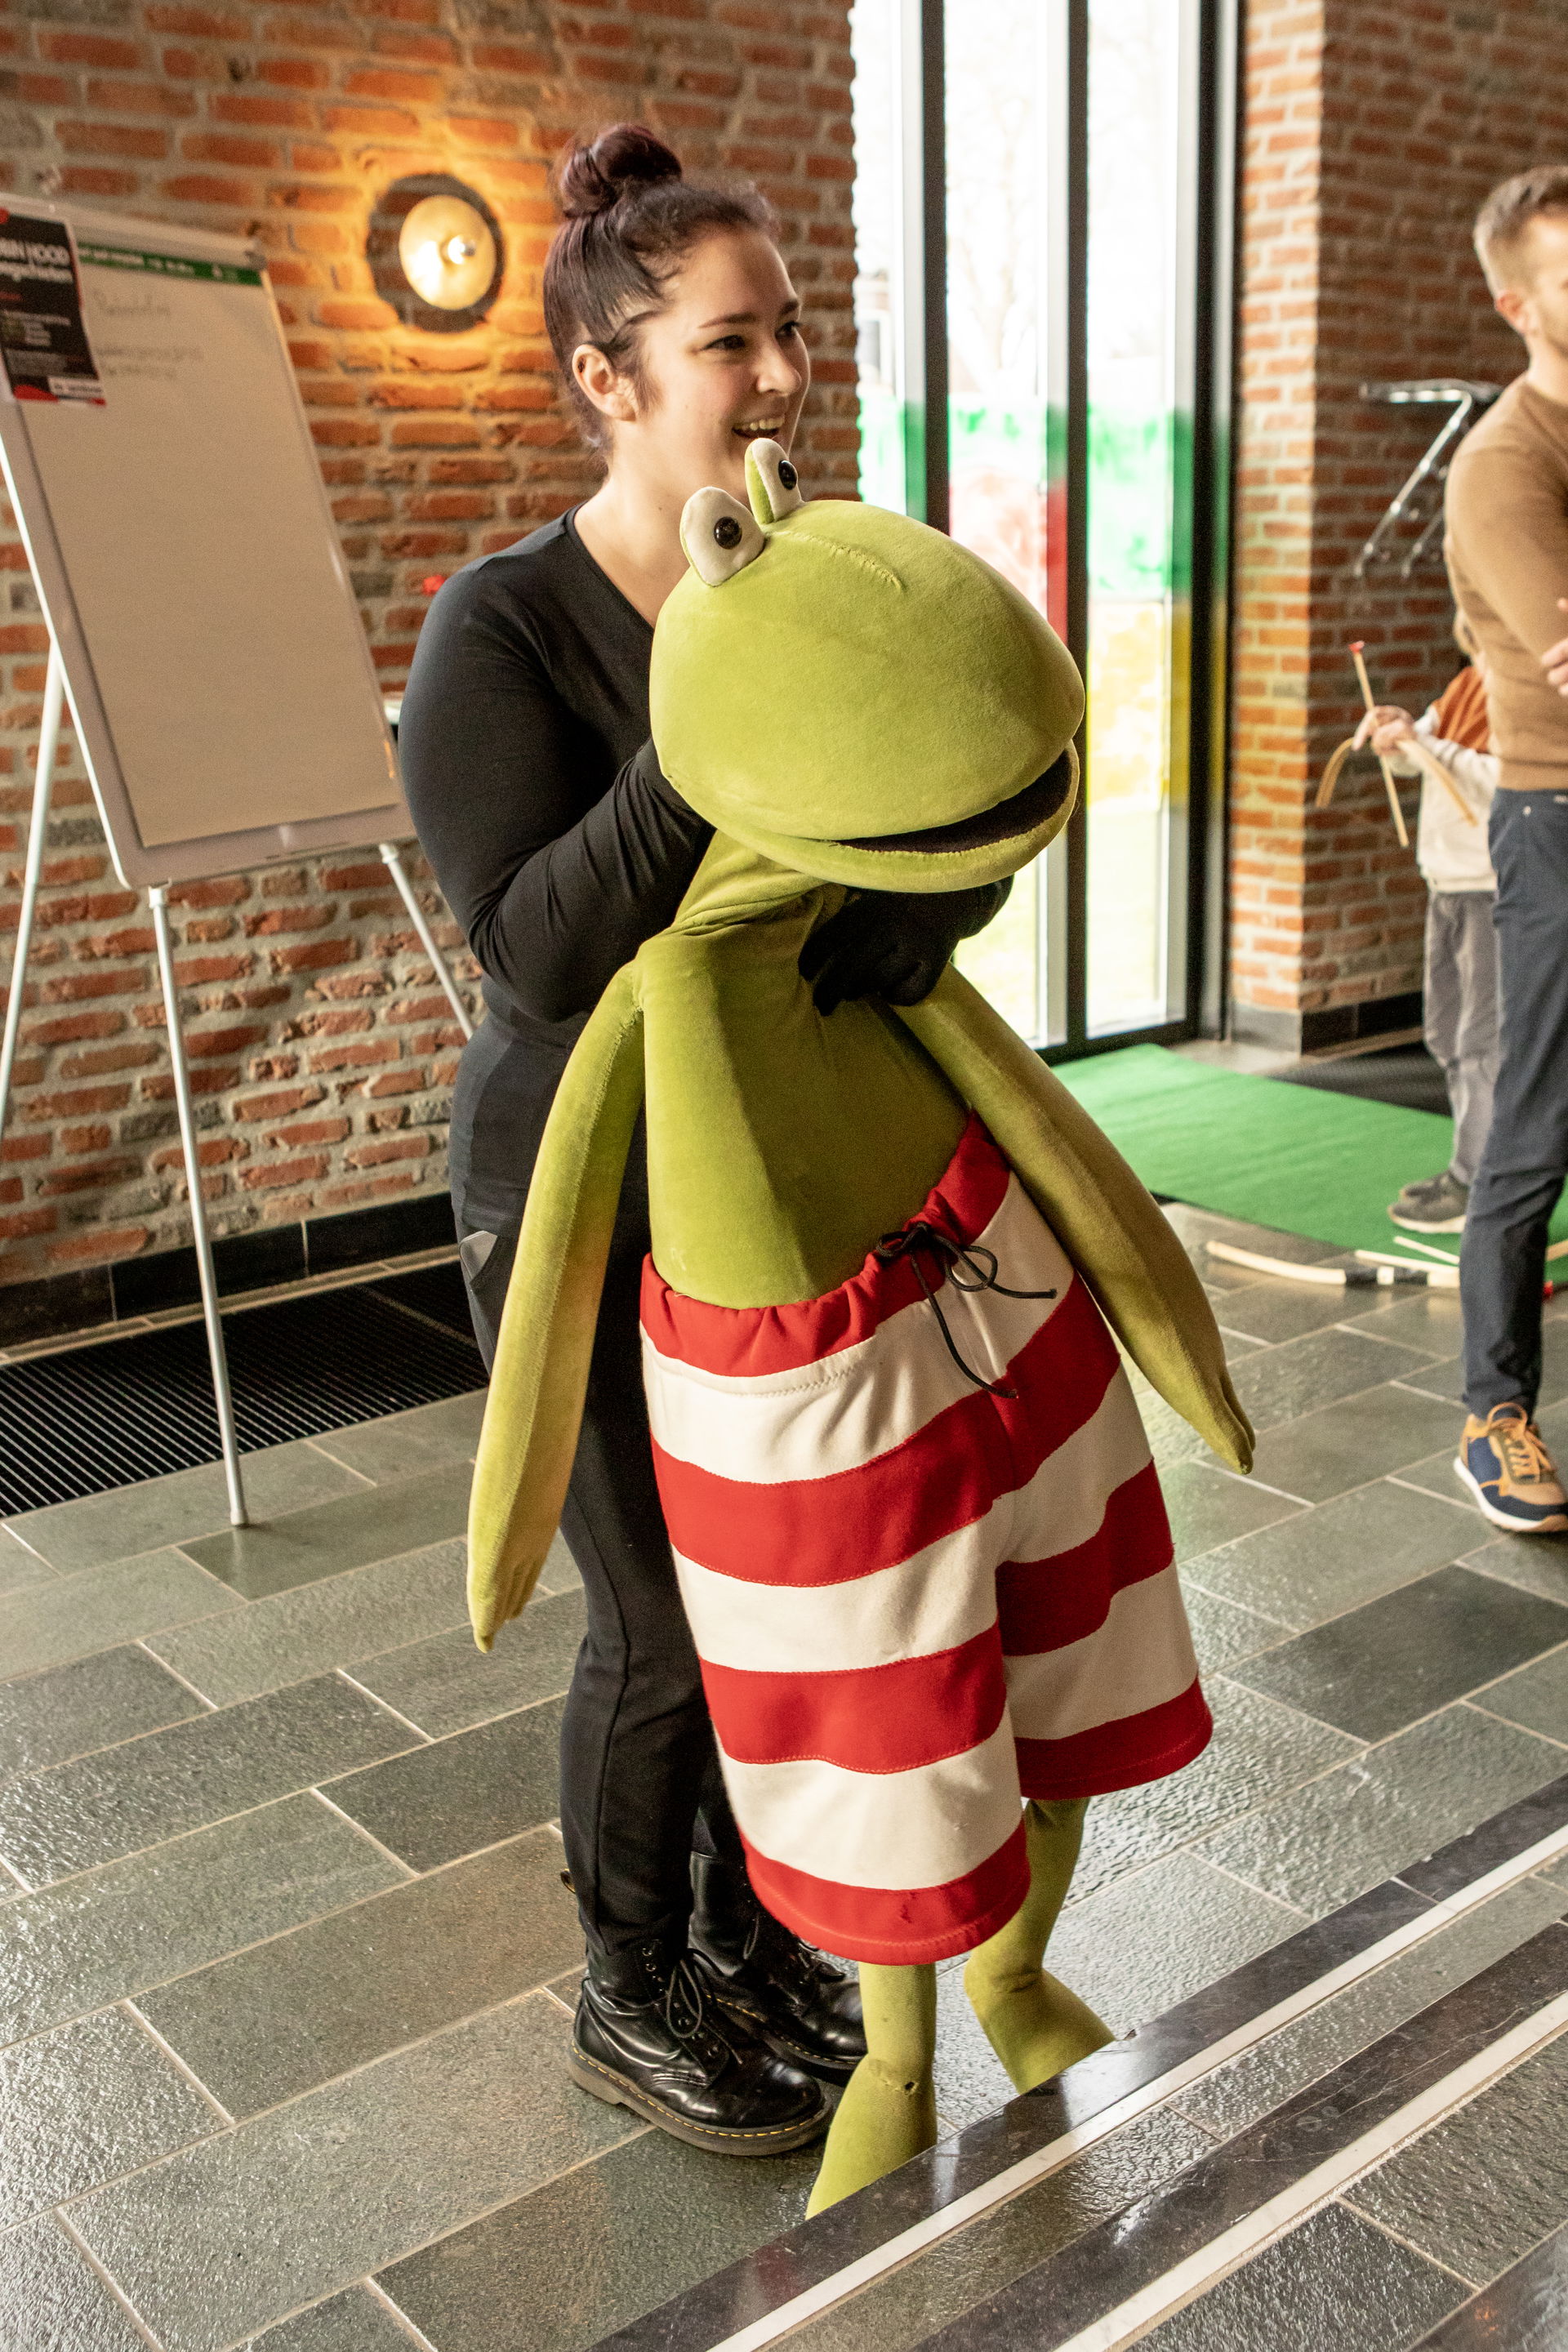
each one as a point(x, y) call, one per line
point(540, 1375)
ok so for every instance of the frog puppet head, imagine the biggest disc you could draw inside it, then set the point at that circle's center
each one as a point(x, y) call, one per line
point(855, 697)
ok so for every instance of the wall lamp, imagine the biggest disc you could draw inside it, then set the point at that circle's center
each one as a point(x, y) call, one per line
point(434, 251)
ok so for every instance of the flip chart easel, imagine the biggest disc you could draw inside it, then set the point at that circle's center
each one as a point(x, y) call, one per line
point(202, 624)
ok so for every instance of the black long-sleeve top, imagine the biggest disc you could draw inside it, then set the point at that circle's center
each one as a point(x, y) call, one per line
point(533, 784)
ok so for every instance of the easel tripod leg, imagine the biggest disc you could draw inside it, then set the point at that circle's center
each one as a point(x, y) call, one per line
point(392, 856)
point(38, 841)
point(158, 898)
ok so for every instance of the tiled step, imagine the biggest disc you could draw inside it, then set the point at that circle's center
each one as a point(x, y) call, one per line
point(1033, 2226)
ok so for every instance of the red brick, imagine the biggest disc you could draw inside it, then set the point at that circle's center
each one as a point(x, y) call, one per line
point(103, 49)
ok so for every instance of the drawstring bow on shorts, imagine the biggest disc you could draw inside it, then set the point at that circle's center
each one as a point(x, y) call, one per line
point(978, 1264)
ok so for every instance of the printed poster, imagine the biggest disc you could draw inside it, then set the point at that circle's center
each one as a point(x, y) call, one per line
point(43, 335)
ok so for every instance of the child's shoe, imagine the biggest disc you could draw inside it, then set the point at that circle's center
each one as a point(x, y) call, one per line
point(1436, 1204)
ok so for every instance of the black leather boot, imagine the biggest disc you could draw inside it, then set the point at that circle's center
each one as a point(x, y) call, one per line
point(763, 1977)
point(649, 2037)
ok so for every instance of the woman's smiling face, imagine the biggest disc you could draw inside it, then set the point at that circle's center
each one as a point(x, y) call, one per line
point(722, 364)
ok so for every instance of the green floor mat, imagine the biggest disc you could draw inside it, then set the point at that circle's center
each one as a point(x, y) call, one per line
point(1295, 1158)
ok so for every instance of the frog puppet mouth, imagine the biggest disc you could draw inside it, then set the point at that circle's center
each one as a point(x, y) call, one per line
point(1011, 819)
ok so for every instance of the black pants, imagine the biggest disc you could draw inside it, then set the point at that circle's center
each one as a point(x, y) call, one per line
point(1525, 1161)
point(640, 1785)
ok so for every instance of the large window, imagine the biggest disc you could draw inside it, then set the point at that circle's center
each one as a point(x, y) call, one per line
point(1039, 188)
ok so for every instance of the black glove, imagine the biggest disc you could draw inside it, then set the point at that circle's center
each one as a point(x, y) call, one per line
point(893, 944)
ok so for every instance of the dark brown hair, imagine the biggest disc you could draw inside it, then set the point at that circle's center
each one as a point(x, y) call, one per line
point(630, 219)
point(1508, 212)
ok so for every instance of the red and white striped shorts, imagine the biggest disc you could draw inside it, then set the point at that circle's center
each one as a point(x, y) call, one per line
point(917, 1602)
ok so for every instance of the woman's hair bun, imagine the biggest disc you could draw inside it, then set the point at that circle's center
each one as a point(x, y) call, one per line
point(627, 155)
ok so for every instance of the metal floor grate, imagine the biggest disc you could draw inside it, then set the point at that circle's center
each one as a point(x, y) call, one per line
point(89, 1419)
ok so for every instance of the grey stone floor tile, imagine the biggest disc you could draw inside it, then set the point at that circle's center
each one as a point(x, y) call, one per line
point(71, 1616)
point(222, 2238)
point(1386, 1809)
point(354, 2321)
point(464, 1792)
point(19, 1566)
point(1171, 1439)
point(1253, 2085)
point(559, 1573)
point(1149, 1939)
point(269, 2023)
point(1305, 1373)
point(1431, 1320)
point(591, 2252)
point(1435, 1475)
point(1259, 1749)
point(404, 1442)
point(1360, 1438)
point(446, 1685)
point(1481, 2187)
point(134, 1796)
point(1338, 1557)
point(51, 2300)
point(1409, 1652)
point(1221, 1633)
point(1334, 2281)
point(51, 1717)
point(1208, 1508)
point(1535, 1563)
point(312, 1628)
point(1273, 1310)
point(910, 2304)
point(1536, 1696)
point(137, 1923)
point(85, 2103)
point(424, 1438)
point(1447, 1378)
point(373, 1523)
point(1196, 1227)
point(159, 1511)
point(971, 2081)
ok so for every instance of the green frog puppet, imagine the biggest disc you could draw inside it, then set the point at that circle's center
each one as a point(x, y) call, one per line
point(919, 1535)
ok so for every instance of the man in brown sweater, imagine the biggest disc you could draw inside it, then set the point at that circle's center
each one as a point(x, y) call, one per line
point(1508, 559)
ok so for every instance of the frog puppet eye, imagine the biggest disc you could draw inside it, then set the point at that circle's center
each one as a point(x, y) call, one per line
point(773, 485)
point(719, 536)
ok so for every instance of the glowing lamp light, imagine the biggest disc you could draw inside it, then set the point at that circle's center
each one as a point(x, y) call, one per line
point(435, 252)
point(447, 252)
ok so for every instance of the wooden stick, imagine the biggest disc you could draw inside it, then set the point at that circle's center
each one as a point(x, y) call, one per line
point(1432, 766)
point(1331, 774)
point(1356, 646)
point(1336, 1277)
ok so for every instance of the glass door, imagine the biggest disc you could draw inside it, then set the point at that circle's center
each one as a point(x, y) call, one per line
point(1041, 188)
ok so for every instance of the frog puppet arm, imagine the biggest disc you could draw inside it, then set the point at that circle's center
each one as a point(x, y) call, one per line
point(540, 1373)
point(1109, 1225)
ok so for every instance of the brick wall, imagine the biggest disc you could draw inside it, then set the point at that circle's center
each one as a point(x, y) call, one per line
point(1372, 133)
point(321, 1048)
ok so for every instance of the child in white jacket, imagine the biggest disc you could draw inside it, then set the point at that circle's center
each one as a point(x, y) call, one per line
point(1462, 981)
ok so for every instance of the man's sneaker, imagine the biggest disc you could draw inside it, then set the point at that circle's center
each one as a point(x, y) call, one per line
point(1504, 1462)
point(1435, 1205)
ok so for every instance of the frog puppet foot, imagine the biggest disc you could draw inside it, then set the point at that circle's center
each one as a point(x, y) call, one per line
point(1033, 2022)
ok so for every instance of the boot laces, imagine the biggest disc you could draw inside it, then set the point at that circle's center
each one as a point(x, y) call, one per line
point(1525, 1460)
point(772, 1943)
point(685, 2011)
